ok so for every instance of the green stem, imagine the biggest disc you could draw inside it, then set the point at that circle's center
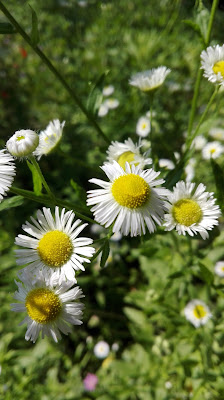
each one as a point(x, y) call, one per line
point(37, 167)
point(44, 199)
point(56, 73)
point(200, 72)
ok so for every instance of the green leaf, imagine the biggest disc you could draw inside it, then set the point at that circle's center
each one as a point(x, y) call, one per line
point(136, 316)
point(95, 97)
point(14, 201)
point(219, 182)
point(6, 28)
point(194, 26)
point(206, 275)
point(105, 253)
point(37, 183)
point(81, 193)
point(34, 32)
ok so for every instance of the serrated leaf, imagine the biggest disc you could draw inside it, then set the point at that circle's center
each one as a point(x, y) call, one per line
point(105, 253)
point(37, 183)
point(34, 32)
point(219, 182)
point(205, 274)
point(6, 28)
point(95, 97)
point(81, 193)
point(14, 201)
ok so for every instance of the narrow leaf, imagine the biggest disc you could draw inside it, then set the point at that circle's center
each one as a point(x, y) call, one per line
point(14, 201)
point(81, 193)
point(205, 274)
point(34, 32)
point(6, 28)
point(105, 253)
point(37, 184)
point(95, 97)
point(219, 182)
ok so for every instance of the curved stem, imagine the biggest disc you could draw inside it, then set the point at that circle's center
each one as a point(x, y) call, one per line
point(56, 73)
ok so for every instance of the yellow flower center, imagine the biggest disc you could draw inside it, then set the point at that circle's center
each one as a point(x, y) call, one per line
point(127, 156)
point(21, 137)
point(43, 305)
point(199, 311)
point(219, 67)
point(55, 248)
point(130, 191)
point(187, 212)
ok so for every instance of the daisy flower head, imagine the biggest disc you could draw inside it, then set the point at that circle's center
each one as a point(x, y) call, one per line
point(199, 142)
point(108, 90)
point(212, 150)
point(130, 200)
point(53, 245)
point(49, 138)
point(7, 172)
point(217, 133)
point(219, 268)
point(197, 312)
point(151, 79)
point(143, 126)
point(127, 152)
point(111, 103)
point(165, 163)
point(50, 307)
point(191, 210)
point(101, 349)
point(103, 110)
point(22, 143)
point(212, 62)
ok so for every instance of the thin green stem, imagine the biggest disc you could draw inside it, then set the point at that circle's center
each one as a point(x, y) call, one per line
point(45, 199)
point(56, 73)
point(37, 167)
point(200, 72)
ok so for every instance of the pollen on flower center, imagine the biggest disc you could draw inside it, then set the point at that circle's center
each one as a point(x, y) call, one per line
point(55, 248)
point(43, 305)
point(127, 156)
point(219, 67)
point(187, 212)
point(199, 311)
point(21, 137)
point(130, 191)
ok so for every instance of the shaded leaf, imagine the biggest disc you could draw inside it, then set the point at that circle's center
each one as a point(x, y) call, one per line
point(219, 182)
point(34, 32)
point(105, 253)
point(14, 201)
point(37, 183)
point(81, 193)
point(206, 275)
point(95, 97)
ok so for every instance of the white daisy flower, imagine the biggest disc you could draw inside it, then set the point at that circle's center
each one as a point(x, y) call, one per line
point(129, 200)
point(50, 308)
point(197, 312)
point(111, 103)
point(127, 152)
point(101, 349)
point(53, 245)
point(212, 62)
point(103, 110)
point(22, 143)
point(219, 268)
point(199, 142)
point(7, 172)
point(143, 126)
point(217, 133)
point(49, 138)
point(150, 79)
point(165, 163)
point(212, 150)
point(108, 90)
point(191, 210)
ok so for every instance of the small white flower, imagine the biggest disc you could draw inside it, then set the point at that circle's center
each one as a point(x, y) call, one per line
point(115, 347)
point(127, 152)
point(168, 385)
point(212, 150)
point(190, 169)
point(143, 126)
point(103, 110)
point(129, 200)
point(7, 172)
point(219, 268)
point(49, 138)
point(111, 103)
point(199, 142)
point(212, 62)
point(50, 308)
point(191, 210)
point(22, 143)
point(108, 90)
point(165, 163)
point(53, 245)
point(116, 237)
point(101, 349)
point(197, 312)
point(217, 133)
point(150, 79)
